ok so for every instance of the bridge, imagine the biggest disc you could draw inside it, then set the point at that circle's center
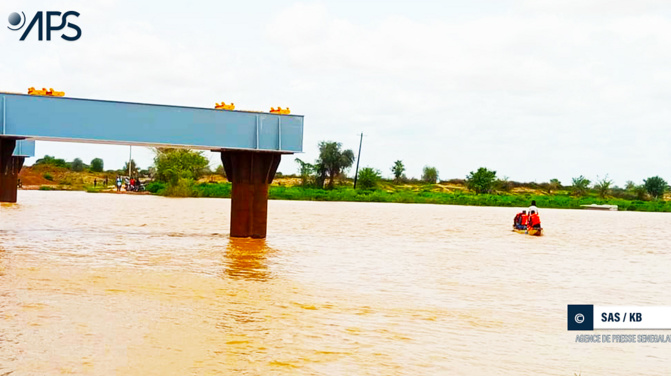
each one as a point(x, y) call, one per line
point(251, 143)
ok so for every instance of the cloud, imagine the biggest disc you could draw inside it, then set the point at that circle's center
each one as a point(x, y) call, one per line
point(579, 88)
point(484, 87)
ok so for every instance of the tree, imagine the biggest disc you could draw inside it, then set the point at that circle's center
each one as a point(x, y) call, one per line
point(655, 186)
point(640, 192)
point(306, 171)
point(77, 165)
point(630, 185)
point(481, 181)
point(368, 178)
point(49, 160)
point(333, 160)
point(97, 165)
point(133, 167)
point(554, 185)
point(320, 175)
point(580, 185)
point(430, 175)
point(173, 165)
point(603, 186)
point(398, 169)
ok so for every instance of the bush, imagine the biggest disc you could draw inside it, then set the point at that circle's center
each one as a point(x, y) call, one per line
point(503, 185)
point(47, 188)
point(655, 186)
point(77, 165)
point(173, 165)
point(97, 165)
point(155, 187)
point(580, 185)
point(430, 175)
point(368, 178)
point(603, 186)
point(183, 188)
point(52, 161)
point(481, 181)
point(48, 176)
point(456, 181)
point(213, 190)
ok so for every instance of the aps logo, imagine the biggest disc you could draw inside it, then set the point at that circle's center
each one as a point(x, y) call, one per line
point(44, 21)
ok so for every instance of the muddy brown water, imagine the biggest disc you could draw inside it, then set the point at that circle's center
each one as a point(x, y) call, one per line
point(100, 284)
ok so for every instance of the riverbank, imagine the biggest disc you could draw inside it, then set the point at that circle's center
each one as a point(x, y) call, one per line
point(289, 188)
point(425, 194)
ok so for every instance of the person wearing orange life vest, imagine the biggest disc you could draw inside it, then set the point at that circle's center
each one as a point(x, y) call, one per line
point(534, 220)
point(524, 220)
point(520, 221)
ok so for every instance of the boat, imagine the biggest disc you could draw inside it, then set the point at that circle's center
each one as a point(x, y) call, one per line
point(532, 231)
point(600, 207)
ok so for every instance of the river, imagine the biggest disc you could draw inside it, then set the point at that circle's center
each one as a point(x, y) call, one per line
point(101, 284)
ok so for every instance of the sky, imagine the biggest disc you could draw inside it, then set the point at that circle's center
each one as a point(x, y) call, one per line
point(533, 89)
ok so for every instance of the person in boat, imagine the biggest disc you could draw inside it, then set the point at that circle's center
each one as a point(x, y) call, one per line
point(534, 220)
point(521, 220)
point(532, 207)
point(524, 220)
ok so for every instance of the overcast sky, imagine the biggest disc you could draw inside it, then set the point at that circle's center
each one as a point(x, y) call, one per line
point(534, 89)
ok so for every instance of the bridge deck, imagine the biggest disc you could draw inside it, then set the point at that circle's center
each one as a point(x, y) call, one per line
point(96, 121)
point(24, 148)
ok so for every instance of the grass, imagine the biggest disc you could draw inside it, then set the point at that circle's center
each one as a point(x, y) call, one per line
point(423, 195)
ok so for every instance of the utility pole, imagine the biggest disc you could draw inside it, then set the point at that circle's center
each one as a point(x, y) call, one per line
point(356, 174)
point(130, 158)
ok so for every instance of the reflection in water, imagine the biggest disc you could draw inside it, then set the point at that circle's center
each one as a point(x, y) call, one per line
point(87, 289)
point(247, 259)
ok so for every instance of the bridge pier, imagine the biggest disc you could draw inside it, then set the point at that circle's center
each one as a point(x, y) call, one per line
point(10, 166)
point(250, 173)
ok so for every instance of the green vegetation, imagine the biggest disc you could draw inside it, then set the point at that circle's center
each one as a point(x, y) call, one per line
point(49, 160)
point(133, 168)
point(97, 165)
point(368, 178)
point(306, 172)
point(430, 175)
point(603, 186)
point(580, 185)
point(553, 185)
point(655, 186)
point(481, 181)
point(422, 194)
point(333, 160)
point(77, 165)
point(175, 164)
point(398, 169)
point(177, 173)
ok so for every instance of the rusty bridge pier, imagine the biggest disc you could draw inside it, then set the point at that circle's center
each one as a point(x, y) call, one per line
point(250, 173)
point(10, 166)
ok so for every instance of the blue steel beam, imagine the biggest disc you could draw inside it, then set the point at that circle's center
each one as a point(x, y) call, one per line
point(96, 121)
point(24, 148)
